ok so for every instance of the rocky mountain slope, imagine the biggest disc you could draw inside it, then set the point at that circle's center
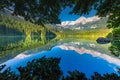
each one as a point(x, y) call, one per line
point(85, 23)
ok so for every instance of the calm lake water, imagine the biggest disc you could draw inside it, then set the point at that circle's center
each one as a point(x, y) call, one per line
point(76, 54)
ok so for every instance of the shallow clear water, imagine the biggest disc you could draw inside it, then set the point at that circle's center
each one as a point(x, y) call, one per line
point(84, 56)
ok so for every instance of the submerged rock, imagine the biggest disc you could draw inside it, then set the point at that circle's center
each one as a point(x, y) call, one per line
point(102, 40)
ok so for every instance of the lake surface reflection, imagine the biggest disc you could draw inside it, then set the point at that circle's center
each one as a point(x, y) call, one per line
point(82, 55)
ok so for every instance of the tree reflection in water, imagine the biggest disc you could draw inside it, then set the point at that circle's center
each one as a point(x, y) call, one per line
point(32, 71)
point(22, 44)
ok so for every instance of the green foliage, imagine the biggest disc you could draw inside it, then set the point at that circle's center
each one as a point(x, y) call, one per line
point(36, 11)
point(110, 35)
point(47, 11)
point(48, 69)
point(96, 76)
point(44, 68)
point(75, 75)
point(39, 69)
point(82, 7)
point(22, 26)
point(106, 76)
point(27, 43)
point(112, 9)
point(115, 45)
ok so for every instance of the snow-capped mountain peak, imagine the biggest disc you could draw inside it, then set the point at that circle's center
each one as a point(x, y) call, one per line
point(81, 20)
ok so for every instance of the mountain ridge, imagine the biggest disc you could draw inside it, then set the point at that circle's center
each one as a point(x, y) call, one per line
point(81, 20)
point(83, 23)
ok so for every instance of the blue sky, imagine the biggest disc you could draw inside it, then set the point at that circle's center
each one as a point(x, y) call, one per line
point(65, 16)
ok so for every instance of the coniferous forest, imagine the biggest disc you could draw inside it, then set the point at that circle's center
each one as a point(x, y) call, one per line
point(33, 27)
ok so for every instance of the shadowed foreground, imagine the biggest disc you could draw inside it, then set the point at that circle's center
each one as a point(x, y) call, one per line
point(48, 69)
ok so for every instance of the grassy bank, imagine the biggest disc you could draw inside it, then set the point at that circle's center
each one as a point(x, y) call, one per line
point(85, 34)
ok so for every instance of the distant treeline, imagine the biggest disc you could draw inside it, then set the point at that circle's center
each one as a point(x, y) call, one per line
point(10, 25)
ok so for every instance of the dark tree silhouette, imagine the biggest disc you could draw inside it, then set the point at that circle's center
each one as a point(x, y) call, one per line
point(37, 11)
point(38, 69)
point(75, 75)
point(48, 69)
point(47, 11)
point(42, 11)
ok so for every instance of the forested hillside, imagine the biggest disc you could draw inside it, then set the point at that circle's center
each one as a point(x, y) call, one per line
point(9, 25)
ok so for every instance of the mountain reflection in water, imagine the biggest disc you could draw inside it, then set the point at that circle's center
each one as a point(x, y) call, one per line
point(87, 57)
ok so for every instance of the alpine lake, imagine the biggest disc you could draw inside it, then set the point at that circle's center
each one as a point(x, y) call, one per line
point(84, 55)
